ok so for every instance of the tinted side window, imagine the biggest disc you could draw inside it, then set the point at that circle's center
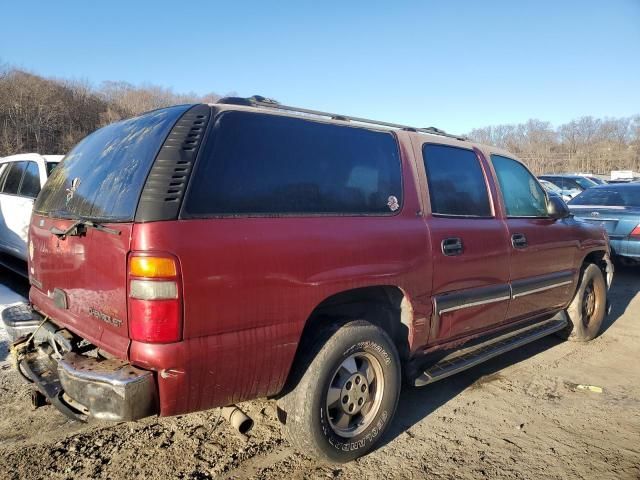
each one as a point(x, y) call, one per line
point(14, 176)
point(269, 165)
point(31, 182)
point(523, 196)
point(456, 182)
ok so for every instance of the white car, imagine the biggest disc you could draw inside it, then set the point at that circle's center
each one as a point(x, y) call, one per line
point(21, 178)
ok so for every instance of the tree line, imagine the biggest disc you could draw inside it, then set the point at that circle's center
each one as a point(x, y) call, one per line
point(588, 144)
point(49, 116)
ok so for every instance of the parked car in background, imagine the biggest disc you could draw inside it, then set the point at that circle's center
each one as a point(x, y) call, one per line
point(570, 184)
point(555, 190)
point(616, 207)
point(21, 178)
point(591, 176)
point(220, 253)
point(622, 176)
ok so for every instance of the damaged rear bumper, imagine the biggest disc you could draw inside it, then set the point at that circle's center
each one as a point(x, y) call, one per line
point(82, 386)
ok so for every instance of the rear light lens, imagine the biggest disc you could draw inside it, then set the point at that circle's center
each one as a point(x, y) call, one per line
point(636, 231)
point(153, 290)
point(155, 303)
point(155, 321)
point(152, 267)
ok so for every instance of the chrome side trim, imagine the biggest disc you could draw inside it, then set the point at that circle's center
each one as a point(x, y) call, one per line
point(474, 304)
point(541, 289)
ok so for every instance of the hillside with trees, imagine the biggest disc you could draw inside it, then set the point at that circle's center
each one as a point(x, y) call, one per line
point(584, 145)
point(50, 115)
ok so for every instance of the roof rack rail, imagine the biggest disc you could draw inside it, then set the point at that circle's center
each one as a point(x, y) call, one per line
point(259, 101)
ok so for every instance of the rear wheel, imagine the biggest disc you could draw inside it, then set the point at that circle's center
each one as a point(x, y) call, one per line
point(589, 306)
point(346, 394)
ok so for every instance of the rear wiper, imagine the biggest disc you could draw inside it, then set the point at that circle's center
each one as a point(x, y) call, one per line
point(80, 227)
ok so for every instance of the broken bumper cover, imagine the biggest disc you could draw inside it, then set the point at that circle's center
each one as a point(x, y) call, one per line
point(81, 386)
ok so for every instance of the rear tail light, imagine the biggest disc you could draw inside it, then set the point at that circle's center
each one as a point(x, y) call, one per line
point(155, 304)
point(636, 231)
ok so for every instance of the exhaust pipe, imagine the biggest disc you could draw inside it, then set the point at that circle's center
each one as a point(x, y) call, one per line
point(38, 399)
point(237, 418)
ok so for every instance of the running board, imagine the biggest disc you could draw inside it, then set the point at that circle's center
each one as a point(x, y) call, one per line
point(469, 357)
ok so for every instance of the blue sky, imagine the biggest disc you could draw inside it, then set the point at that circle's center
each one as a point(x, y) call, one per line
point(456, 65)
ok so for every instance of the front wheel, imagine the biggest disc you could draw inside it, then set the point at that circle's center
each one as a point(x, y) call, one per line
point(346, 394)
point(589, 306)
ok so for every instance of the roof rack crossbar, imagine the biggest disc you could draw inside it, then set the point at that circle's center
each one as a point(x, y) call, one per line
point(259, 101)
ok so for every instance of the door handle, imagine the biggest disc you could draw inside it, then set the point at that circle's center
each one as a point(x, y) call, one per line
point(519, 240)
point(452, 246)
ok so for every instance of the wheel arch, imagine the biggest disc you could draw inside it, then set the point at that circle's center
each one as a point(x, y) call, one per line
point(600, 258)
point(386, 306)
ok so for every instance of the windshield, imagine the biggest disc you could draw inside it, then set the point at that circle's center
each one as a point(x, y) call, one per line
point(597, 180)
point(610, 197)
point(584, 182)
point(551, 187)
point(102, 177)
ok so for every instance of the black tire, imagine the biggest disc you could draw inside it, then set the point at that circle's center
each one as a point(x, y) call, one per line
point(322, 371)
point(588, 307)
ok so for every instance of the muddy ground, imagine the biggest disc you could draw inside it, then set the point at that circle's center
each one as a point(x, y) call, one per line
point(518, 416)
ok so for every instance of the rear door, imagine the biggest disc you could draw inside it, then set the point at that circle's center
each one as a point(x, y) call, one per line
point(28, 191)
point(542, 250)
point(12, 211)
point(470, 244)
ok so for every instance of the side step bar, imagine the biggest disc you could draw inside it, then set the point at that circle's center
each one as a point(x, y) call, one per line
point(469, 357)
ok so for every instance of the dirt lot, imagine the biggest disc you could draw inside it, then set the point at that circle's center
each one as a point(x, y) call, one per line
point(519, 416)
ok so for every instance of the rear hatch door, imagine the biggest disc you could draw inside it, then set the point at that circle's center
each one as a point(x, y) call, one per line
point(80, 279)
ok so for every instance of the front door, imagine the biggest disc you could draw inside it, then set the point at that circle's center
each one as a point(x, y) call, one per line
point(470, 244)
point(542, 250)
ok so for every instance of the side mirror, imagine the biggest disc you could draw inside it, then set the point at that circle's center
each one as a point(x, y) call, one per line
point(557, 209)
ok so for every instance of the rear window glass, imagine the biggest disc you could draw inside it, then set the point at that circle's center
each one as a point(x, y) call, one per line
point(50, 167)
point(613, 197)
point(272, 165)
point(31, 182)
point(12, 183)
point(456, 181)
point(102, 177)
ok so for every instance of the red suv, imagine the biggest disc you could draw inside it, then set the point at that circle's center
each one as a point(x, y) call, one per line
point(202, 255)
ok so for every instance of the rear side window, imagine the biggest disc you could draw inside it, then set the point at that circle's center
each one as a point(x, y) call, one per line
point(523, 196)
point(456, 182)
point(12, 182)
point(31, 181)
point(272, 165)
point(103, 176)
